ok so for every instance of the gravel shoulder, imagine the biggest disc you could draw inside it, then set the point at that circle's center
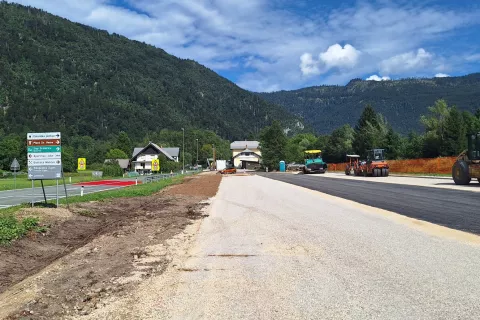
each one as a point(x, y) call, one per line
point(273, 250)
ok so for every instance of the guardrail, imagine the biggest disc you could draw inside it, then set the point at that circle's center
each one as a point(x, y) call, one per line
point(159, 177)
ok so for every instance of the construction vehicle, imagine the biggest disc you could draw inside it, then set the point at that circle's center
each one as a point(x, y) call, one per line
point(314, 162)
point(467, 165)
point(375, 166)
point(353, 164)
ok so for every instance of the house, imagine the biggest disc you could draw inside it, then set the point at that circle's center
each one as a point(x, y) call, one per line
point(123, 163)
point(246, 154)
point(142, 157)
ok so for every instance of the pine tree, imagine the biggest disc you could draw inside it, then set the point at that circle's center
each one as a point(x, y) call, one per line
point(272, 143)
point(454, 140)
point(124, 143)
point(394, 144)
point(339, 144)
point(369, 131)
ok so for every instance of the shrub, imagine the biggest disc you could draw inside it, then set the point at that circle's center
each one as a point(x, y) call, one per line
point(112, 169)
point(11, 228)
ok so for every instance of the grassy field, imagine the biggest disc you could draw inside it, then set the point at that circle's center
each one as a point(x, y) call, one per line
point(12, 228)
point(23, 182)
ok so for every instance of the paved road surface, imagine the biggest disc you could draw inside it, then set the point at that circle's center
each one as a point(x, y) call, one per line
point(271, 250)
point(16, 197)
point(434, 182)
point(452, 208)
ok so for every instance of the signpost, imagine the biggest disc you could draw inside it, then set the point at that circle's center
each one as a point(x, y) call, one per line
point(44, 159)
point(82, 164)
point(155, 165)
point(15, 166)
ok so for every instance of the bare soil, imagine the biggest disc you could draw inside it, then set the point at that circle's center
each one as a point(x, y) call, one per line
point(96, 251)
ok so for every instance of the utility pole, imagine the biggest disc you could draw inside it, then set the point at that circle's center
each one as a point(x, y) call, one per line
point(183, 148)
point(214, 158)
point(197, 152)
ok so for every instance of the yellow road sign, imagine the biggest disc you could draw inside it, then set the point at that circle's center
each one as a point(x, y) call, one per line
point(82, 164)
point(156, 165)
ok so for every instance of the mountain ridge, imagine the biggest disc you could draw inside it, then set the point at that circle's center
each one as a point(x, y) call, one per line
point(65, 76)
point(401, 101)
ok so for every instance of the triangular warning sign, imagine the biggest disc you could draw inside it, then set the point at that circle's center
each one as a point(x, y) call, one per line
point(15, 165)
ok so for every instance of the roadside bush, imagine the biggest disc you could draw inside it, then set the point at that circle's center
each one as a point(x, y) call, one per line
point(95, 166)
point(112, 169)
point(11, 228)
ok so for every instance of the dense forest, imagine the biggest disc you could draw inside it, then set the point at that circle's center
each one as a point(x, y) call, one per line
point(56, 75)
point(444, 134)
point(401, 102)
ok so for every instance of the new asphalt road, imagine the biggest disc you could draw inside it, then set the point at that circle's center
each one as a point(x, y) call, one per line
point(451, 208)
point(20, 196)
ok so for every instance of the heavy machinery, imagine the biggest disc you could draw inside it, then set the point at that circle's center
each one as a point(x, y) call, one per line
point(467, 165)
point(353, 164)
point(375, 166)
point(314, 162)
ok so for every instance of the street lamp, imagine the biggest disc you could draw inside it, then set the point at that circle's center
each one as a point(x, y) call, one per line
point(183, 149)
point(197, 152)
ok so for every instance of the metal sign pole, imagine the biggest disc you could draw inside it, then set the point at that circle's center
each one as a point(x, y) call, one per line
point(44, 195)
point(57, 193)
point(33, 192)
point(65, 186)
point(15, 179)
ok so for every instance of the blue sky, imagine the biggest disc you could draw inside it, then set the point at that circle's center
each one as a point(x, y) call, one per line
point(269, 45)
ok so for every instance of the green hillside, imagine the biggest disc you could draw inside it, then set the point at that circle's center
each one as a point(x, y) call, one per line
point(402, 102)
point(59, 75)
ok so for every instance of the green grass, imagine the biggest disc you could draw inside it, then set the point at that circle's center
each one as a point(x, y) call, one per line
point(12, 228)
point(23, 182)
point(140, 190)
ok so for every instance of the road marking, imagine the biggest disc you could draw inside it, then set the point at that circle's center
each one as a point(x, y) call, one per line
point(424, 226)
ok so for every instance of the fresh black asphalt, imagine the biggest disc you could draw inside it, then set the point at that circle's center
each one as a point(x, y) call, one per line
point(450, 208)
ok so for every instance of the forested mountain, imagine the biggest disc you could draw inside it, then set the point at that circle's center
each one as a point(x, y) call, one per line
point(401, 102)
point(63, 76)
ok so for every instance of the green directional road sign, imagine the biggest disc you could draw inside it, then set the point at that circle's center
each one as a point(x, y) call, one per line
point(44, 149)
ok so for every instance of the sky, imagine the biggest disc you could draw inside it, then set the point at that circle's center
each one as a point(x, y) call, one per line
point(271, 45)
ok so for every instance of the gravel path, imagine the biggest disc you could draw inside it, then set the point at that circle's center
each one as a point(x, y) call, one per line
point(271, 250)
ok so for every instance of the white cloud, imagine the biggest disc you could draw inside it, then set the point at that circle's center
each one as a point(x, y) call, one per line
point(221, 33)
point(334, 57)
point(441, 75)
point(374, 77)
point(405, 62)
point(308, 65)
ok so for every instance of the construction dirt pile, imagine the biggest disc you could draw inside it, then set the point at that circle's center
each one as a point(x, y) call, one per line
point(95, 251)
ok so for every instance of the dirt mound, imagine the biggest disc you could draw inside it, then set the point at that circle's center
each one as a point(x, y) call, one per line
point(97, 251)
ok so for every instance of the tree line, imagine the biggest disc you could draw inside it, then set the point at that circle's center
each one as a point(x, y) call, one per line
point(444, 134)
